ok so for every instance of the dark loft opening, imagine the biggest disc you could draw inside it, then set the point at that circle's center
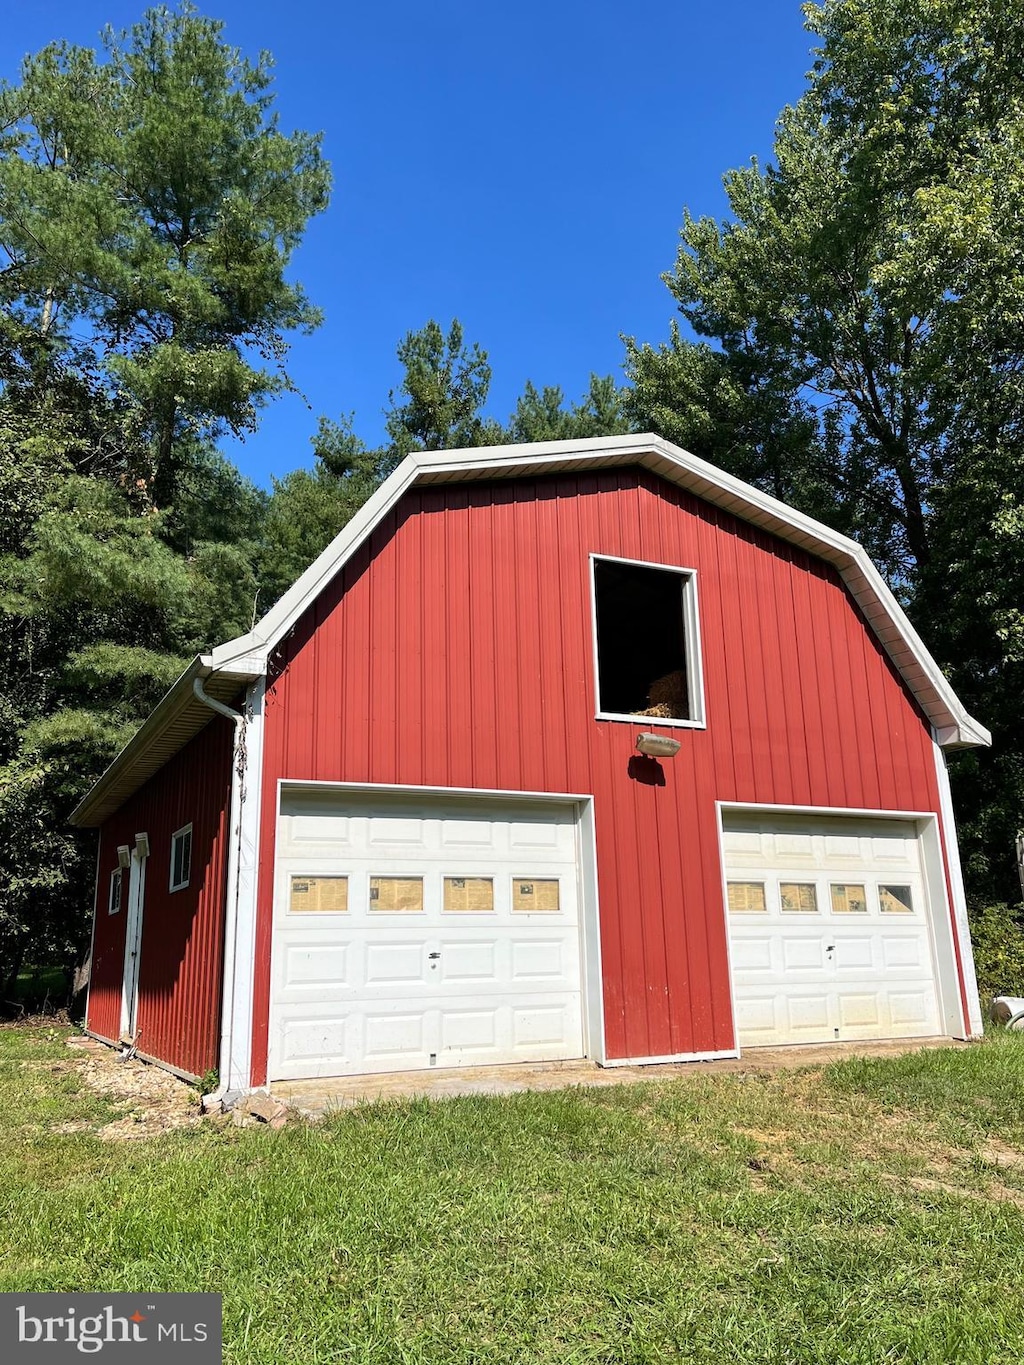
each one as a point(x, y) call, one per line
point(641, 641)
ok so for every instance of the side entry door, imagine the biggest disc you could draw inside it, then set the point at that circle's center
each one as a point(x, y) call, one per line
point(133, 938)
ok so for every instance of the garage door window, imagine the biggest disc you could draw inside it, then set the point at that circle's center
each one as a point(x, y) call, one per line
point(396, 895)
point(468, 895)
point(647, 656)
point(799, 898)
point(747, 898)
point(318, 895)
point(533, 894)
point(895, 900)
point(848, 900)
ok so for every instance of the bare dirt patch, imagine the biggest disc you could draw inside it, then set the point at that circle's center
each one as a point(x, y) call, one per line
point(155, 1101)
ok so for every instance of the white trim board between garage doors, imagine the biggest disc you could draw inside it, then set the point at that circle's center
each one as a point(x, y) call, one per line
point(419, 928)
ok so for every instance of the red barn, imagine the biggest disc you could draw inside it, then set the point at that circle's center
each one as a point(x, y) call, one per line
point(582, 749)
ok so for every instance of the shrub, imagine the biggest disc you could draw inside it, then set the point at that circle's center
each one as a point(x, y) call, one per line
point(997, 932)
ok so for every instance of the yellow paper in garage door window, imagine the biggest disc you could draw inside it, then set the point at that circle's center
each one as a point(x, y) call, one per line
point(396, 895)
point(531, 894)
point(468, 895)
point(848, 900)
point(326, 895)
point(747, 897)
point(798, 898)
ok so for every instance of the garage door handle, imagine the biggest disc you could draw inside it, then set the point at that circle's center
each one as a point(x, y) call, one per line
point(433, 955)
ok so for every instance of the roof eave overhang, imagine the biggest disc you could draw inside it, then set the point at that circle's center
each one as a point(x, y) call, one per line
point(241, 661)
point(953, 727)
point(177, 718)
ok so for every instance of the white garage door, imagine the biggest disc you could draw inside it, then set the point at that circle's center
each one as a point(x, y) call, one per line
point(419, 932)
point(828, 929)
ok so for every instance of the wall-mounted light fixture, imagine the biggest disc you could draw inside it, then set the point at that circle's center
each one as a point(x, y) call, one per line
point(142, 845)
point(657, 746)
point(124, 856)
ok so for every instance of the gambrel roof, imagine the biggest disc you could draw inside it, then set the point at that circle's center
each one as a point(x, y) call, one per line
point(238, 662)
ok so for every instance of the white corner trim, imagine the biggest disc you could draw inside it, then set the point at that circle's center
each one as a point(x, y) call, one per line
point(959, 922)
point(590, 925)
point(240, 935)
point(720, 808)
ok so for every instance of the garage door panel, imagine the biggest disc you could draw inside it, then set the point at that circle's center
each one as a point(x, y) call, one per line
point(756, 1018)
point(911, 1008)
point(426, 982)
point(472, 834)
point(802, 954)
point(313, 830)
point(860, 1011)
point(807, 1014)
point(838, 963)
point(390, 1036)
point(900, 951)
point(401, 833)
point(855, 955)
point(470, 1030)
point(543, 959)
point(304, 1041)
point(794, 846)
point(751, 956)
point(471, 961)
point(312, 968)
point(391, 964)
point(842, 848)
point(549, 1026)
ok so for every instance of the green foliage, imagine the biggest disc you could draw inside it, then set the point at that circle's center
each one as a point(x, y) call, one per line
point(541, 416)
point(997, 936)
point(149, 209)
point(444, 388)
point(863, 310)
point(308, 509)
point(153, 197)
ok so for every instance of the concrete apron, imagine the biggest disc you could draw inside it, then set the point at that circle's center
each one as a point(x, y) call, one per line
point(316, 1098)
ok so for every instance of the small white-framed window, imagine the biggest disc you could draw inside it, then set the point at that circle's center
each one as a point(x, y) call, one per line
point(114, 897)
point(646, 642)
point(181, 858)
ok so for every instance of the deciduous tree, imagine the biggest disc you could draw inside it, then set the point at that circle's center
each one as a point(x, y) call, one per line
point(862, 310)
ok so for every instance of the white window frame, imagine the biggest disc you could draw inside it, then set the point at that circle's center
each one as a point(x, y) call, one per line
point(178, 834)
point(115, 881)
point(691, 633)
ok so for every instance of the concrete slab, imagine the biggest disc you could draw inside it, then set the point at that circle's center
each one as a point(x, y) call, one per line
point(316, 1098)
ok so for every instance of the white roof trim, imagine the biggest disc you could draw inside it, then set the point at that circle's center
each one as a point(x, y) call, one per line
point(245, 658)
point(175, 719)
point(955, 728)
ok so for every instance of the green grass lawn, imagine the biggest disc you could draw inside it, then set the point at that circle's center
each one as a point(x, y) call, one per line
point(865, 1212)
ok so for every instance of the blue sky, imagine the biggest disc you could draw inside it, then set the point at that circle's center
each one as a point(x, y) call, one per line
point(523, 167)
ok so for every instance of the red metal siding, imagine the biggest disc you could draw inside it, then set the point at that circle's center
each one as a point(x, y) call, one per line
point(182, 931)
point(455, 649)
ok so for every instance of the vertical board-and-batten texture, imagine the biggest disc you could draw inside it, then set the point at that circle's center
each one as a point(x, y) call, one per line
point(182, 931)
point(455, 650)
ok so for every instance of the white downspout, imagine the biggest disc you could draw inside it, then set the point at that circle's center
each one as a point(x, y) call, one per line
point(238, 759)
